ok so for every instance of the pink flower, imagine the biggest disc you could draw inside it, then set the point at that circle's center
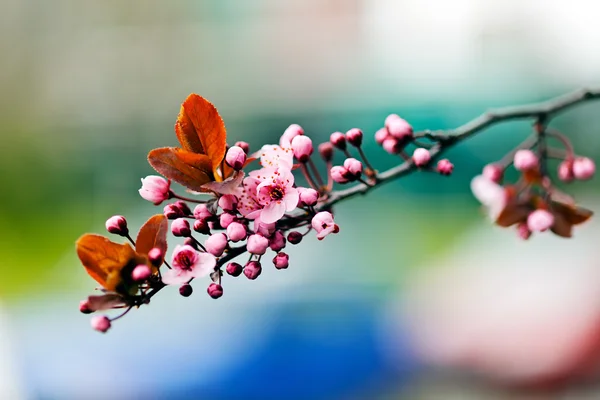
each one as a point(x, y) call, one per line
point(263, 228)
point(326, 151)
point(490, 194)
point(392, 145)
point(155, 189)
point(540, 220)
point(235, 157)
point(277, 242)
point(101, 323)
point(354, 137)
point(323, 223)
point(493, 172)
point(338, 139)
point(308, 196)
point(273, 156)
point(117, 225)
point(302, 147)
point(421, 157)
point(290, 133)
point(228, 202)
point(565, 171)
point(181, 227)
point(216, 244)
point(268, 194)
point(231, 185)
point(281, 260)
point(398, 127)
point(244, 145)
point(236, 232)
point(445, 167)
point(583, 168)
point(525, 160)
point(340, 174)
point(523, 231)
point(141, 273)
point(257, 244)
point(214, 290)
point(201, 211)
point(187, 263)
point(381, 135)
point(354, 167)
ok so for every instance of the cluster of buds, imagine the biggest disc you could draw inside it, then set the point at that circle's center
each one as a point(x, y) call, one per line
point(534, 203)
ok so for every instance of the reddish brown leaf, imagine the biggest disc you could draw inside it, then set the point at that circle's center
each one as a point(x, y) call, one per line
point(572, 214)
point(208, 126)
point(512, 214)
point(153, 234)
point(103, 260)
point(189, 169)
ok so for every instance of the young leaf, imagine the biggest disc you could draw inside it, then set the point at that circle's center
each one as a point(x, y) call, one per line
point(103, 260)
point(189, 169)
point(200, 129)
point(153, 234)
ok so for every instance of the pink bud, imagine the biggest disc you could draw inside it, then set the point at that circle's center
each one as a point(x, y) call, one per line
point(252, 270)
point(565, 171)
point(326, 151)
point(540, 220)
point(225, 219)
point(523, 231)
point(281, 261)
point(236, 232)
point(141, 273)
point(290, 133)
point(201, 212)
point(584, 168)
point(302, 147)
point(84, 307)
point(155, 189)
point(257, 244)
point(101, 323)
point(117, 225)
point(338, 139)
point(294, 237)
point(308, 196)
point(398, 127)
point(493, 172)
point(277, 242)
point(525, 160)
point(228, 202)
point(263, 229)
point(339, 174)
point(173, 211)
point(214, 290)
point(421, 157)
point(354, 137)
point(244, 145)
point(354, 168)
point(201, 226)
point(182, 205)
point(190, 242)
point(323, 223)
point(155, 255)
point(186, 290)
point(181, 227)
point(445, 167)
point(216, 244)
point(392, 145)
point(381, 135)
point(235, 157)
point(234, 269)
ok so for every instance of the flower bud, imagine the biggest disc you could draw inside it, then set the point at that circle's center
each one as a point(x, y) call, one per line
point(525, 160)
point(155, 255)
point(84, 307)
point(584, 168)
point(216, 244)
point(493, 172)
point(308, 196)
point(326, 151)
point(173, 211)
point(101, 323)
point(354, 168)
point(141, 273)
point(236, 231)
point(277, 242)
point(214, 290)
point(234, 269)
point(398, 127)
point(281, 261)
point(302, 147)
point(155, 189)
point(540, 220)
point(338, 139)
point(228, 202)
point(186, 290)
point(182, 205)
point(445, 167)
point(117, 225)
point(354, 137)
point(421, 157)
point(201, 211)
point(264, 229)
point(323, 223)
point(294, 237)
point(181, 227)
point(244, 146)
point(257, 244)
point(291, 133)
point(201, 226)
point(381, 135)
point(523, 231)
point(225, 219)
point(235, 157)
point(565, 171)
point(392, 145)
point(340, 174)
point(252, 270)
point(189, 241)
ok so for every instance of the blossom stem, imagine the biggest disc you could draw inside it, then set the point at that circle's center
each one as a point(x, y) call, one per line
point(369, 170)
point(316, 173)
point(564, 140)
point(122, 314)
point(176, 196)
point(309, 179)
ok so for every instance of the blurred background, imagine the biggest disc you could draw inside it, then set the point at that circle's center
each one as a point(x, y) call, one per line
point(418, 297)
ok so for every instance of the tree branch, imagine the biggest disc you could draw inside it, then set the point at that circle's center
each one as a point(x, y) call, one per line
point(447, 138)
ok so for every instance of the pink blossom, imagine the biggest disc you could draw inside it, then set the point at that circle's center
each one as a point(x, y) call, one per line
point(540, 220)
point(281, 260)
point(252, 270)
point(236, 232)
point(354, 167)
point(381, 135)
point(187, 263)
point(201, 211)
point(490, 194)
point(141, 273)
point(290, 133)
point(214, 290)
point(117, 225)
point(273, 156)
point(100, 323)
point(493, 172)
point(584, 168)
point(155, 256)
point(244, 146)
point(326, 151)
point(231, 185)
point(354, 137)
point(201, 226)
point(323, 223)
point(525, 160)
point(421, 157)
point(186, 290)
point(264, 229)
point(155, 189)
point(338, 139)
point(445, 167)
point(268, 194)
point(398, 127)
point(392, 145)
point(228, 202)
point(235, 157)
point(523, 231)
point(257, 244)
point(226, 218)
point(234, 269)
point(308, 196)
point(302, 147)
point(277, 242)
point(181, 227)
point(216, 244)
point(565, 171)
point(294, 237)
point(340, 174)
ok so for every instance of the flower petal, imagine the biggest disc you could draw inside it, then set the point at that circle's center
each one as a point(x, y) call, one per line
point(273, 212)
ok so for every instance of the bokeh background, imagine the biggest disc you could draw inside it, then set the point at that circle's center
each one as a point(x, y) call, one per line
point(418, 297)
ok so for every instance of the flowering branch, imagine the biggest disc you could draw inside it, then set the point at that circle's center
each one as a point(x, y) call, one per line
point(265, 208)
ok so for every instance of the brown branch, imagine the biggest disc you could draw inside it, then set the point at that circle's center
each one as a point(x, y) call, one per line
point(444, 139)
